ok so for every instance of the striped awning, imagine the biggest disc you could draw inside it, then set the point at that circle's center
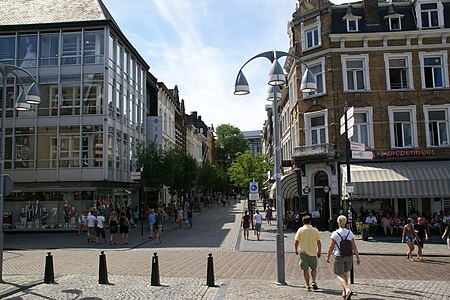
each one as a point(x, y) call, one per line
point(288, 187)
point(399, 179)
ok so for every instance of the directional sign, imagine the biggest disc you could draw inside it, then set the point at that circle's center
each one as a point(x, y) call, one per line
point(253, 196)
point(342, 124)
point(357, 146)
point(350, 122)
point(362, 154)
point(253, 187)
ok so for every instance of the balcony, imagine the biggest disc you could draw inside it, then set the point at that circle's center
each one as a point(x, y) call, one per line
point(314, 152)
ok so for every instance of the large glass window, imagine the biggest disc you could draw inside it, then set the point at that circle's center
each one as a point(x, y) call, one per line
point(311, 36)
point(7, 49)
point(355, 72)
point(316, 128)
point(71, 48)
point(362, 128)
point(429, 15)
point(434, 69)
point(70, 94)
point(94, 47)
point(398, 71)
point(49, 49)
point(437, 122)
point(27, 51)
point(317, 68)
point(93, 93)
point(403, 130)
point(24, 147)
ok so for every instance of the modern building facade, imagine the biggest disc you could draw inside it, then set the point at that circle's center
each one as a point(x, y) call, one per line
point(389, 61)
point(254, 140)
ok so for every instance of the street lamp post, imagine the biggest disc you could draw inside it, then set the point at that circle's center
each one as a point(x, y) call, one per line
point(276, 79)
point(32, 96)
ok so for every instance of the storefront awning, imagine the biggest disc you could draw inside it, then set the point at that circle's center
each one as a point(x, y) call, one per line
point(399, 179)
point(288, 187)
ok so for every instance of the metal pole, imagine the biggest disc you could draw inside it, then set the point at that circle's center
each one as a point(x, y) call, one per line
point(280, 234)
point(349, 180)
point(2, 170)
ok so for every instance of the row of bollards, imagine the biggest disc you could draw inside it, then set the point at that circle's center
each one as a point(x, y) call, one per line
point(49, 274)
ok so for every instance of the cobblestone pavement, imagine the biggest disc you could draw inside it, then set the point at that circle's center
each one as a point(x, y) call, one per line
point(243, 269)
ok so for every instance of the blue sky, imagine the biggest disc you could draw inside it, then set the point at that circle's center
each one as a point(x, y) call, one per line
point(200, 45)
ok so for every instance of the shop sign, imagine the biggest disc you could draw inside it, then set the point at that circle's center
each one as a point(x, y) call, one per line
point(405, 153)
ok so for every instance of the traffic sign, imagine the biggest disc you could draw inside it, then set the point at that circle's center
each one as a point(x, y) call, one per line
point(357, 146)
point(253, 196)
point(253, 187)
point(362, 155)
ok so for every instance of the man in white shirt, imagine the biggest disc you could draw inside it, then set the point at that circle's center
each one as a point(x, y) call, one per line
point(372, 221)
point(257, 219)
point(91, 227)
point(100, 227)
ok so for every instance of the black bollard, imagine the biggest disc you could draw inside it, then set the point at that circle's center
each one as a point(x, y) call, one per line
point(102, 271)
point(155, 270)
point(210, 273)
point(49, 275)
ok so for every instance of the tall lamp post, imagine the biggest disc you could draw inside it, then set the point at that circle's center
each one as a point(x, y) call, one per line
point(276, 79)
point(23, 102)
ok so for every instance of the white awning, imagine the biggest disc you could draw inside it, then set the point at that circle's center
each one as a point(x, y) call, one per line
point(399, 179)
point(288, 187)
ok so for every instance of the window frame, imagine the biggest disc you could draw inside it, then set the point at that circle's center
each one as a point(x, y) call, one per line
point(312, 64)
point(354, 19)
point(307, 29)
point(409, 70)
point(366, 73)
point(443, 55)
point(369, 114)
point(426, 110)
point(395, 17)
point(308, 128)
point(413, 121)
point(439, 9)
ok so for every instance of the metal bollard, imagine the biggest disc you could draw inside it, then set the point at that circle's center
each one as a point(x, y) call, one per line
point(155, 270)
point(102, 270)
point(210, 272)
point(49, 274)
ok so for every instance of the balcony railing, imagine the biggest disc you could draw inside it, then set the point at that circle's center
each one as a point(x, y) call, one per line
point(322, 151)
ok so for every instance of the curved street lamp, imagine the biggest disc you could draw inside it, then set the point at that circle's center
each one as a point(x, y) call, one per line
point(23, 102)
point(276, 79)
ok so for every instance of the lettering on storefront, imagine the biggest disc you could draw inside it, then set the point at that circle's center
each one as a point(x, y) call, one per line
point(405, 153)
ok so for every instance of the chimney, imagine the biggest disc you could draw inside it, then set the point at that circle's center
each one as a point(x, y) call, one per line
point(371, 12)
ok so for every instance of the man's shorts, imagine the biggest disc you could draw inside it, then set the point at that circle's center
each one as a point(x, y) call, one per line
point(342, 264)
point(307, 261)
point(258, 227)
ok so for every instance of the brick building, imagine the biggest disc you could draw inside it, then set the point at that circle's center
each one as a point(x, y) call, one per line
point(389, 61)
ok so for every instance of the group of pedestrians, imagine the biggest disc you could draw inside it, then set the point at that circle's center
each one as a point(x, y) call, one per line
point(95, 223)
point(257, 221)
point(343, 247)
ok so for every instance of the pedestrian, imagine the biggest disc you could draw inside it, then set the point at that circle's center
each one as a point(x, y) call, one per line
point(245, 221)
point(408, 236)
point(100, 229)
point(257, 219)
point(157, 226)
point(136, 216)
point(151, 223)
point(180, 217)
point(189, 217)
point(90, 220)
point(308, 238)
point(343, 247)
point(269, 215)
point(124, 225)
point(422, 233)
point(113, 227)
point(447, 234)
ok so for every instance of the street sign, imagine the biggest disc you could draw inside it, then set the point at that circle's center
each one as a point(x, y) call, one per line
point(350, 132)
point(253, 196)
point(357, 146)
point(349, 188)
point(342, 124)
point(350, 122)
point(253, 187)
point(362, 155)
point(350, 112)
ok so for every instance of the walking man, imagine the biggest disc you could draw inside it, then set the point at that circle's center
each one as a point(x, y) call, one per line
point(257, 219)
point(308, 238)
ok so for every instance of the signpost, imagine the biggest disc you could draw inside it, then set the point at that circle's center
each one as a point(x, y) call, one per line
point(362, 155)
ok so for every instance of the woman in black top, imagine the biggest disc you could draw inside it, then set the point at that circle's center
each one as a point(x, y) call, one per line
point(246, 224)
point(447, 234)
point(124, 225)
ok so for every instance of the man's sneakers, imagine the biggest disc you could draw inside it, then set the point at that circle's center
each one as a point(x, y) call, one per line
point(314, 286)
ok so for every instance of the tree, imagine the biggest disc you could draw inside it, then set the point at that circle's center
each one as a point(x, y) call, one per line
point(181, 170)
point(230, 141)
point(211, 178)
point(152, 159)
point(248, 167)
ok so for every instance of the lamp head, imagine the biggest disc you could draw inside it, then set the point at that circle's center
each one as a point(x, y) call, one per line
point(21, 104)
point(241, 86)
point(33, 95)
point(271, 91)
point(308, 83)
point(276, 75)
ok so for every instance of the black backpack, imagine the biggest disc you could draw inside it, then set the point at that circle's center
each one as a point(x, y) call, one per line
point(345, 246)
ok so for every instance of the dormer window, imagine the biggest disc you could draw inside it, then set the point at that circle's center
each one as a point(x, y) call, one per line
point(395, 23)
point(430, 14)
point(351, 20)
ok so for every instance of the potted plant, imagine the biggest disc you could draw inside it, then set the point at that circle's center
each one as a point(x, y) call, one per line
point(364, 228)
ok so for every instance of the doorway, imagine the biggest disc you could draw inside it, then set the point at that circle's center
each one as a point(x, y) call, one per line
point(321, 197)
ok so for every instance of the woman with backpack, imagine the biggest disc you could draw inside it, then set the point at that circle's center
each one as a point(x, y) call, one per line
point(343, 247)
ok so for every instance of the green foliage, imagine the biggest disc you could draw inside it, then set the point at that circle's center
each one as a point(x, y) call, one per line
point(230, 141)
point(246, 167)
point(211, 178)
point(181, 170)
point(152, 159)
